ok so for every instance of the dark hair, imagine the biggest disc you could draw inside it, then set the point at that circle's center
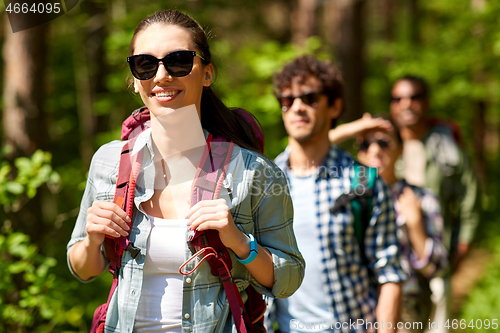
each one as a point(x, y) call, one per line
point(416, 80)
point(396, 132)
point(216, 117)
point(329, 77)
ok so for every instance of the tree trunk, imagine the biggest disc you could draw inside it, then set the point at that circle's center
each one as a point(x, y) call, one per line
point(347, 29)
point(90, 72)
point(480, 106)
point(415, 22)
point(303, 20)
point(478, 142)
point(389, 11)
point(24, 123)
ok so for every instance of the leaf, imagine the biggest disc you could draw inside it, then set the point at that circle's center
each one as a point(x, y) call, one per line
point(18, 267)
point(14, 188)
point(38, 158)
point(23, 164)
point(75, 315)
point(54, 178)
point(4, 171)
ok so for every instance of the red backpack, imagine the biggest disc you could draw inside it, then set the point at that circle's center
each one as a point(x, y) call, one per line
point(206, 186)
point(449, 123)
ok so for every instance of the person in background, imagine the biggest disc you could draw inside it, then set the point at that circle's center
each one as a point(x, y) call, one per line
point(420, 224)
point(337, 289)
point(434, 158)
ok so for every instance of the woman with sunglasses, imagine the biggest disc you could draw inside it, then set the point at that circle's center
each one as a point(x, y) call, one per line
point(171, 64)
point(419, 219)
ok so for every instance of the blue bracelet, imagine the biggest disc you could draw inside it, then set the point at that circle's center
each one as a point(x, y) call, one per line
point(253, 251)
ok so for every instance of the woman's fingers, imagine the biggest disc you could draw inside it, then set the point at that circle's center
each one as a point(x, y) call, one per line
point(215, 211)
point(206, 204)
point(215, 215)
point(113, 212)
point(109, 224)
point(106, 218)
point(209, 224)
point(102, 229)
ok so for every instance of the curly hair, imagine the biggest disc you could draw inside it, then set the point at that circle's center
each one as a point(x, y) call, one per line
point(330, 78)
point(303, 67)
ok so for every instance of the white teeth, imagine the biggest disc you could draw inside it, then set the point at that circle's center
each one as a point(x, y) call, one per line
point(166, 93)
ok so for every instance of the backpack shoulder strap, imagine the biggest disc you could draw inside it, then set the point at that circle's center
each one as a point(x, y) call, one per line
point(360, 195)
point(362, 184)
point(137, 122)
point(206, 186)
point(128, 171)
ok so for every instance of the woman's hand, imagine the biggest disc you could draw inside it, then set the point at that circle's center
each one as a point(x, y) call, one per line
point(105, 218)
point(358, 127)
point(410, 208)
point(215, 214)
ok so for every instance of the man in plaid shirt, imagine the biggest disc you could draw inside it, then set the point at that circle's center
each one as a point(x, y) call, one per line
point(341, 292)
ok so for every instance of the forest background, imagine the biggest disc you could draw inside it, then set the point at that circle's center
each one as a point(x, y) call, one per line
point(65, 93)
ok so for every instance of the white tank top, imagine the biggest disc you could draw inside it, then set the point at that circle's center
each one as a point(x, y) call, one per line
point(160, 304)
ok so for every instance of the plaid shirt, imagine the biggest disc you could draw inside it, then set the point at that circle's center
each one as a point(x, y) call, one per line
point(249, 189)
point(346, 281)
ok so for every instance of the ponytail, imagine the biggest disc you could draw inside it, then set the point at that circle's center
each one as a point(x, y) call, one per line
point(219, 120)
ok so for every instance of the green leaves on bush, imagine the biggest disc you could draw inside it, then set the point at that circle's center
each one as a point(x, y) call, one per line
point(31, 296)
point(30, 174)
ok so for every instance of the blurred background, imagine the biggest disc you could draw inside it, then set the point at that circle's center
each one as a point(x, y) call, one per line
point(65, 92)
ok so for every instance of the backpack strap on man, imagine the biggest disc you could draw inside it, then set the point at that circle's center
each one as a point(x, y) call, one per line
point(360, 196)
point(362, 205)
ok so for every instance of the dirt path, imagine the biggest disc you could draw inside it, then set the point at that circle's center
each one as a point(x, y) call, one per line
point(467, 275)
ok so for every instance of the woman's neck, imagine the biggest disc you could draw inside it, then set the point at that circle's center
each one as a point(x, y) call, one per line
point(176, 131)
point(389, 177)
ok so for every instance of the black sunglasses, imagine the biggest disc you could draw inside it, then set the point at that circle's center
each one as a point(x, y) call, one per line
point(310, 99)
point(412, 97)
point(177, 63)
point(383, 144)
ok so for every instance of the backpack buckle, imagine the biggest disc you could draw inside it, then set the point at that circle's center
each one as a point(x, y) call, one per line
point(134, 251)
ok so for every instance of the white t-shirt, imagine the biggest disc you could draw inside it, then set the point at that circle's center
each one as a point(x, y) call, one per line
point(160, 304)
point(308, 303)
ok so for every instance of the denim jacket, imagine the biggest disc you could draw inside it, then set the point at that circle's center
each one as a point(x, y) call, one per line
point(257, 194)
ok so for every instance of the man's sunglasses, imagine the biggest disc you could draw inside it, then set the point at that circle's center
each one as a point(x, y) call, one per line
point(383, 144)
point(412, 97)
point(310, 99)
point(177, 63)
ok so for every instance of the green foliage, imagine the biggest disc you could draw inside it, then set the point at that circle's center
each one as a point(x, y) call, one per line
point(484, 301)
point(30, 174)
point(457, 54)
point(31, 295)
point(246, 81)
